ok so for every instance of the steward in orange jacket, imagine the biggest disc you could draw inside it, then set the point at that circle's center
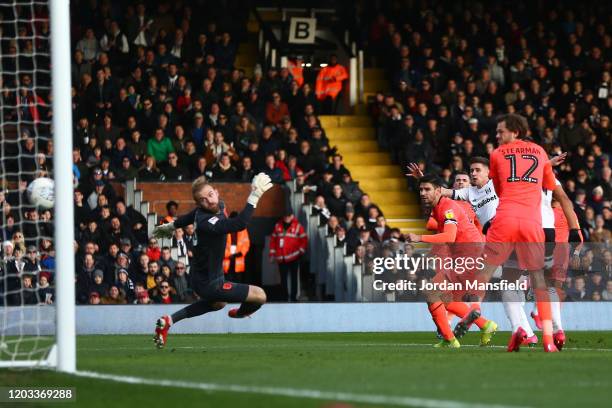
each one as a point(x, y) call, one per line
point(237, 249)
point(329, 80)
point(296, 70)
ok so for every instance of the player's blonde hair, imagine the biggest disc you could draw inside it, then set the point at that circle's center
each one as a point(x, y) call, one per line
point(198, 184)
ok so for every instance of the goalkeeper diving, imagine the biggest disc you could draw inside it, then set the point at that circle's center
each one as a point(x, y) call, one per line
point(206, 274)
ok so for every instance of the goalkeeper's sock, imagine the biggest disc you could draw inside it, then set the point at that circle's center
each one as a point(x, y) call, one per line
point(247, 308)
point(195, 309)
point(438, 314)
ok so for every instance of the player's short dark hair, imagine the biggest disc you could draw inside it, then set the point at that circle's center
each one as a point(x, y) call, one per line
point(460, 173)
point(431, 179)
point(515, 123)
point(479, 160)
point(171, 203)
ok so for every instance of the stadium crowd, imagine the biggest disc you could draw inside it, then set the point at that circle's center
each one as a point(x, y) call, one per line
point(156, 96)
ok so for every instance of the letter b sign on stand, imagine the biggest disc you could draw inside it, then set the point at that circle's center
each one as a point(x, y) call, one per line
point(302, 30)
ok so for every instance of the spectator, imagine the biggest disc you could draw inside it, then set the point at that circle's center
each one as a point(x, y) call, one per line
point(160, 146)
point(125, 285)
point(114, 297)
point(224, 170)
point(153, 250)
point(165, 295)
point(149, 171)
point(381, 231)
point(174, 171)
point(337, 201)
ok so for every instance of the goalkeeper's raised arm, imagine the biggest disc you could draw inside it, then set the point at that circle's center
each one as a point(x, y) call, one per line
point(207, 198)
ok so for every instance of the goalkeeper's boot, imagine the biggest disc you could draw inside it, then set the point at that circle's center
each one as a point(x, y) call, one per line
point(517, 339)
point(464, 325)
point(161, 331)
point(530, 341)
point(487, 332)
point(537, 320)
point(233, 313)
point(452, 343)
point(559, 339)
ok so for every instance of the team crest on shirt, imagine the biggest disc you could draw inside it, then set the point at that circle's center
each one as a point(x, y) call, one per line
point(213, 220)
point(449, 214)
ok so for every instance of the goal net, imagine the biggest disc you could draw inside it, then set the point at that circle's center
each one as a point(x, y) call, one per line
point(32, 280)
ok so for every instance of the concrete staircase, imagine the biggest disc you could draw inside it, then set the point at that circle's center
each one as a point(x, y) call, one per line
point(355, 137)
point(383, 181)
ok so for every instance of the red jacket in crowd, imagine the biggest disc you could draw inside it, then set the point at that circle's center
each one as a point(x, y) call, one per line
point(288, 244)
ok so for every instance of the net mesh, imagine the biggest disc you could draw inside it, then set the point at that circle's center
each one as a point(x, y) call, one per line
point(27, 267)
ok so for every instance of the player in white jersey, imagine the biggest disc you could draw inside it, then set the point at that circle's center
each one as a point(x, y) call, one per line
point(480, 194)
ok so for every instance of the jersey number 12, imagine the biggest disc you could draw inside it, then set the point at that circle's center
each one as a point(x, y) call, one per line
point(527, 175)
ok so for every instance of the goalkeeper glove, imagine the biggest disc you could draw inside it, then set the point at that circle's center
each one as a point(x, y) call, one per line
point(260, 184)
point(164, 230)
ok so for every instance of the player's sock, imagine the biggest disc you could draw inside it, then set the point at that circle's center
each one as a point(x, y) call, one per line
point(481, 322)
point(438, 314)
point(513, 306)
point(195, 309)
point(525, 323)
point(555, 306)
point(450, 315)
point(545, 313)
point(458, 308)
point(247, 308)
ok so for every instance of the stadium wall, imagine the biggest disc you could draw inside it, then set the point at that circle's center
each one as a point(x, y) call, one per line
point(280, 318)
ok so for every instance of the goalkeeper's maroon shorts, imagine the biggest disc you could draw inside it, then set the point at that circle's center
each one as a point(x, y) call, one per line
point(221, 290)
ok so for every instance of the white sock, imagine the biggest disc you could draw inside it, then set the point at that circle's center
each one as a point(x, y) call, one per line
point(513, 306)
point(525, 322)
point(555, 307)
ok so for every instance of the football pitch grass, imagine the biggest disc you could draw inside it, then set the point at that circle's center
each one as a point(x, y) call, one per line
point(324, 369)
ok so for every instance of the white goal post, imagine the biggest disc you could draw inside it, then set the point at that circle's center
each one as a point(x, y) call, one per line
point(21, 321)
point(64, 211)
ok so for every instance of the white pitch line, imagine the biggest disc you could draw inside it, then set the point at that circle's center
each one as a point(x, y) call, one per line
point(275, 346)
point(295, 392)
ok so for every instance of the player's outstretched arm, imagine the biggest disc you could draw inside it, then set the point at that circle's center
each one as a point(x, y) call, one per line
point(260, 184)
point(167, 230)
point(415, 171)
